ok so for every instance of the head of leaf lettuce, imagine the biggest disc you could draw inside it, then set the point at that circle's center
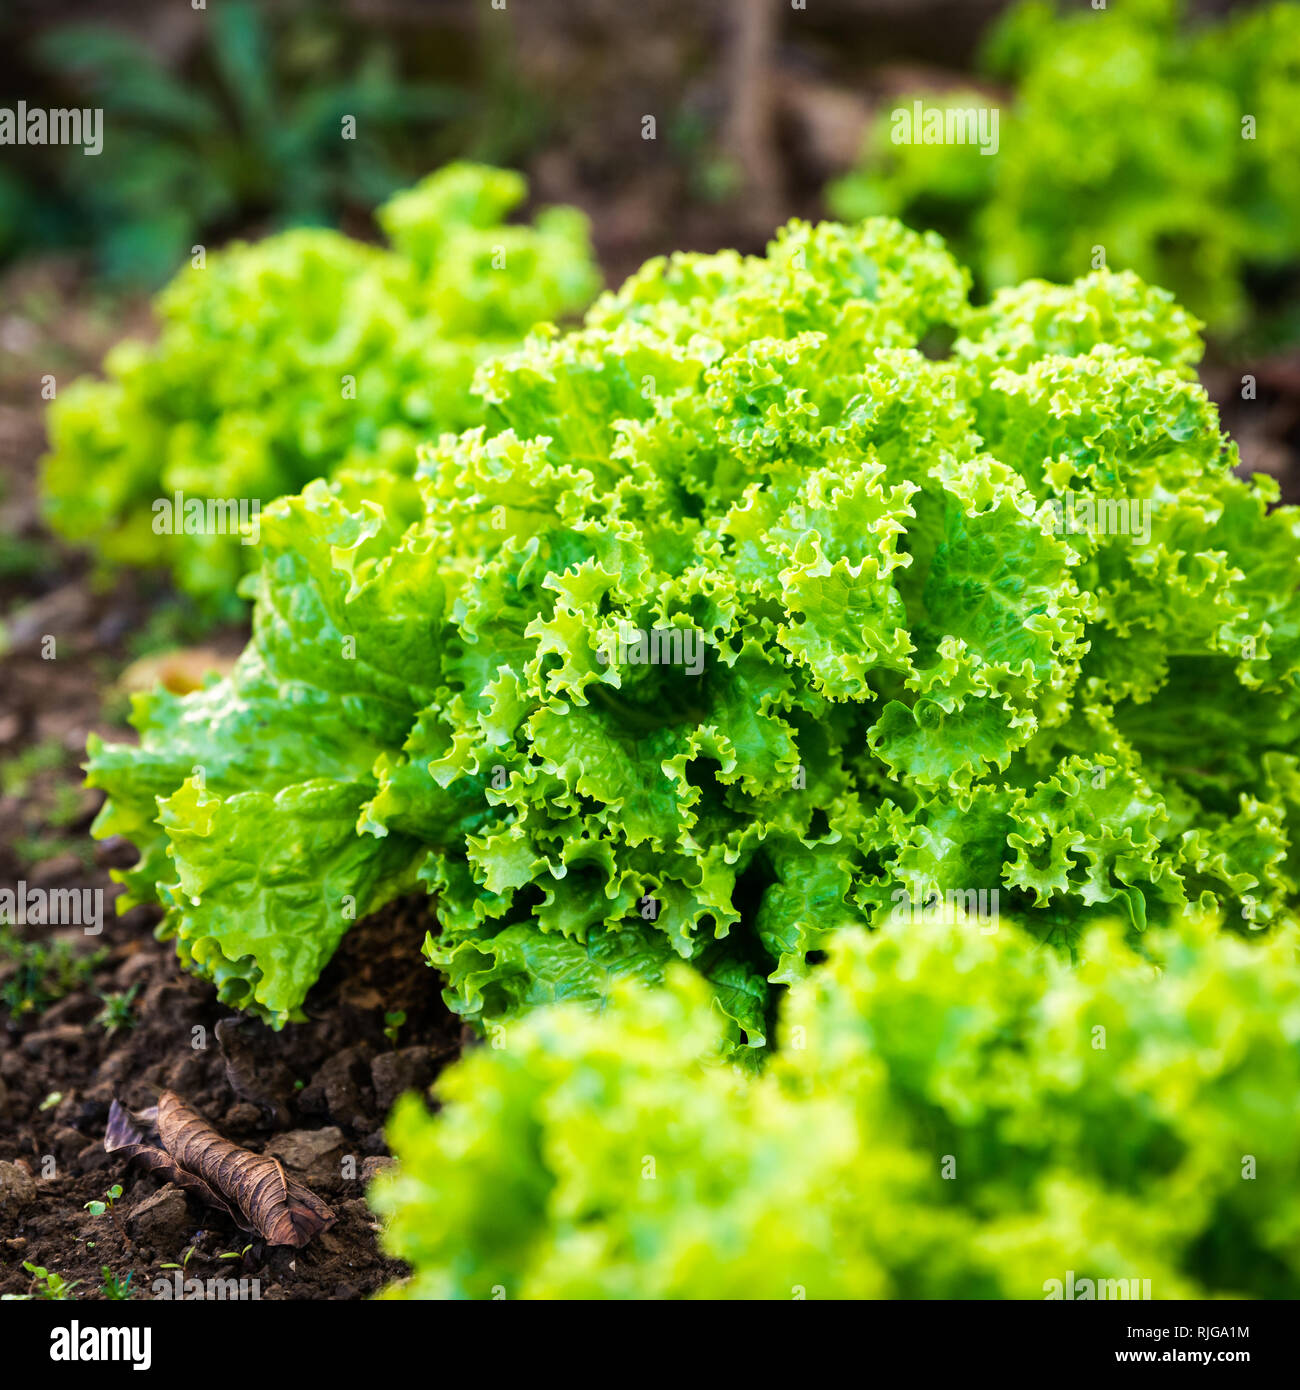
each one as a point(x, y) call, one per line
point(1140, 136)
point(289, 358)
point(949, 1113)
point(925, 671)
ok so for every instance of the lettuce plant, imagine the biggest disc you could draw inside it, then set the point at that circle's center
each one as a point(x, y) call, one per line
point(1167, 147)
point(950, 1114)
point(785, 594)
point(279, 361)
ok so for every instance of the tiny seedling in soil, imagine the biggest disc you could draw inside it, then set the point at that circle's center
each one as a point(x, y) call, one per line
point(393, 1021)
point(108, 1205)
point(115, 1289)
point(184, 1264)
point(41, 973)
point(117, 1011)
point(111, 1196)
point(45, 1285)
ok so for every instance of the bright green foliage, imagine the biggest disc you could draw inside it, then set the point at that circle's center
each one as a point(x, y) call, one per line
point(46, 1284)
point(1126, 132)
point(911, 678)
point(950, 1114)
point(283, 360)
point(114, 1289)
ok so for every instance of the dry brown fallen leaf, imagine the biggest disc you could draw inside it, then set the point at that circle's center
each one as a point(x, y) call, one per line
point(172, 1140)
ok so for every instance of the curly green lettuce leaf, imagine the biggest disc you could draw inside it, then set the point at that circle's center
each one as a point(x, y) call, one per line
point(740, 620)
point(951, 1113)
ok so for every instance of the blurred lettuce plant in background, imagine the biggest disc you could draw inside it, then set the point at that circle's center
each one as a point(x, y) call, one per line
point(948, 1114)
point(282, 360)
point(1170, 146)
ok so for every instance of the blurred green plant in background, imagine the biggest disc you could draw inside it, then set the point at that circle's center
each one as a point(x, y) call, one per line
point(1127, 131)
point(300, 355)
point(244, 126)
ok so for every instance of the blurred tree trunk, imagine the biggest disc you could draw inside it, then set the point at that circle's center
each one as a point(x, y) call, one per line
point(749, 135)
